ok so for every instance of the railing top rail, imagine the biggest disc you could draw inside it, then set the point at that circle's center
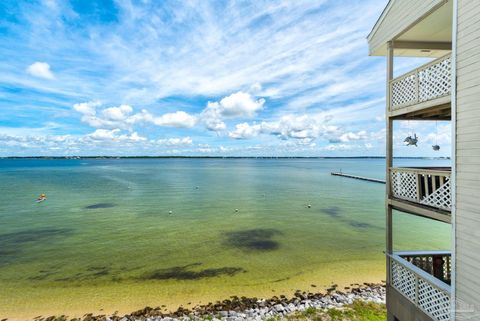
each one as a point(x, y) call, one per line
point(405, 75)
point(422, 274)
point(434, 62)
point(443, 172)
point(422, 67)
point(422, 253)
point(438, 168)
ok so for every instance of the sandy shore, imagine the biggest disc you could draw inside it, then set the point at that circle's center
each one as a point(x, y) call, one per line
point(27, 303)
point(243, 308)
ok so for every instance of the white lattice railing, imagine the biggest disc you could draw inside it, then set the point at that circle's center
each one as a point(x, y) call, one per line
point(430, 81)
point(421, 185)
point(428, 293)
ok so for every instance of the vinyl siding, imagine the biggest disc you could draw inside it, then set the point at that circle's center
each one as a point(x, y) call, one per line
point(467, 220)
point(397, 18)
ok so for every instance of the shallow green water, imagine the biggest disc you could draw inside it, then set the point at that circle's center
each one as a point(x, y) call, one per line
point(105, 238)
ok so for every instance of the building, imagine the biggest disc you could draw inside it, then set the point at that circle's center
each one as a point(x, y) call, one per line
point(440, 286)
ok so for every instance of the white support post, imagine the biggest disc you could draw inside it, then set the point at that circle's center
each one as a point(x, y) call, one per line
point(389, 151)
point(389, 164)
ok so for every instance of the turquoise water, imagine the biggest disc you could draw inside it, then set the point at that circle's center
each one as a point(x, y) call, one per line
point(123, 234)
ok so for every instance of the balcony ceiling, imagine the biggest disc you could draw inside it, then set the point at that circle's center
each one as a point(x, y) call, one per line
point(428, 36)
point(435, 28)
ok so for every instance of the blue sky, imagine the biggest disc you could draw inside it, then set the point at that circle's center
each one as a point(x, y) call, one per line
point(249, 78)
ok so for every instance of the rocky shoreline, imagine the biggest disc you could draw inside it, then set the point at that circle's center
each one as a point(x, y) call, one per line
point(250, 309)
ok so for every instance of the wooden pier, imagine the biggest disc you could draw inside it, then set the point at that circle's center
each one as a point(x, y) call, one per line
point(368, 179)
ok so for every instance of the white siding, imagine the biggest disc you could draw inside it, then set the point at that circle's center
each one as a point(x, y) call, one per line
point(468, 161)
point(398, 16)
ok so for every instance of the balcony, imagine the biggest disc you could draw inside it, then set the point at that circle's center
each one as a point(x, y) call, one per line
point(423, 191)
point(423, 92)
point(423, 278)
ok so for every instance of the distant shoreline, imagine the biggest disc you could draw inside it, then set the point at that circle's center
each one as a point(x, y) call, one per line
point(213, 157)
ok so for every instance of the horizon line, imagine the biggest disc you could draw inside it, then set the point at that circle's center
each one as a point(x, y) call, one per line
point(217, 157)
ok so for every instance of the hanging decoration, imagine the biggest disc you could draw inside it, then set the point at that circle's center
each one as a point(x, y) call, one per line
point(436, 147)
point(411, 140)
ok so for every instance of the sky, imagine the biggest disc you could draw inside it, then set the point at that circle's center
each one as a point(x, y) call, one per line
point(206, 78)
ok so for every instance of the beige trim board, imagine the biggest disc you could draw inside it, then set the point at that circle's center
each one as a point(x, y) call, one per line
point(427, 107)
point(422, 45)
point(420, 210)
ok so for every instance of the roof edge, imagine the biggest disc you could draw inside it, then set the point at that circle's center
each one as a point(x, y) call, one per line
point(380, 19)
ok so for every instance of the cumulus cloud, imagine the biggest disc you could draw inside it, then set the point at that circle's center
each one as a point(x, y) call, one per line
point(304, 130)
point(350, 136)
point(176, 119)
point(87, 108)
point(108, 118)
point(245, 131)
point(237, 105)
point(117, 113)
point(212, 120)
point(337, 147)
point(298, 127)
point(40, 70)
point(113, 136)
point(65, 142)
point(122, 117)
point(184, 141)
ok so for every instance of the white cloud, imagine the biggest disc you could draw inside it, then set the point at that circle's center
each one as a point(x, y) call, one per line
point(108, 118)
point(122, 117)
point(184, 141)
point(87, 108)
point(300, 127)
point(337, 147)
point(113, 136)
point(256, 88)
point(103, 134)
point(306, 129)
point(117, 113)
point(100, 142)
point(179, 119)
point(245, 131)
point(350, 136)
point(212, 120)
point(240, 104)
point(237, 105)
point(40, 70)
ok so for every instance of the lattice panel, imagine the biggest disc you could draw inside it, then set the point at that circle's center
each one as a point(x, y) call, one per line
point(404, 185)
point(404, 92)
point(441, 198)
point(403, 280)
point(435, 80)
point(433, 301)
point(425, 83)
